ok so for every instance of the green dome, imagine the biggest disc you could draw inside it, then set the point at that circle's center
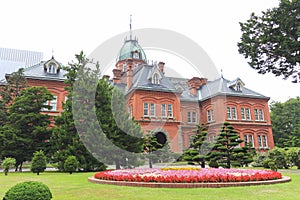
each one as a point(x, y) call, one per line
point(132, 49)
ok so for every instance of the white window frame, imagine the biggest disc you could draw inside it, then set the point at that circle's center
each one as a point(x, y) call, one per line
point(261, 115)
point(164, 110)
point(152, 109)
point(194, 117)
point(170, 111)
point(248, 114)
point(146, 109)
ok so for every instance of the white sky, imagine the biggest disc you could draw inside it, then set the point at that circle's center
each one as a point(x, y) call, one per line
point(71, 26)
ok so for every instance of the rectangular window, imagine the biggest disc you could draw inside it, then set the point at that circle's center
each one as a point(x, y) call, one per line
point(53, 103)
point(256, 114)
point(194, 117)
point(243, 113)
point(189, 117)
point(248, 115)
point(259, 141)
point(261, 115)
point(264, 138)
point(233, 113)
point(146, 111)
point(251, 140)
point(228, 113)
point(210, 116)
point(163, 110)
point(170, 110)
point(152, 109)
point(246, 139)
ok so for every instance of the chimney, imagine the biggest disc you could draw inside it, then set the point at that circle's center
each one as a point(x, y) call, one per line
point(195, 83)
point(117, 75)
point(161, 66)
point(129, 76)
point(106, 77)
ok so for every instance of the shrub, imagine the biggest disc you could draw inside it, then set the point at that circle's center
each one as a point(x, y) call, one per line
point(213, 164)
point(71, 164)
point(39, 163)
point(29, 190)
point(7, 164)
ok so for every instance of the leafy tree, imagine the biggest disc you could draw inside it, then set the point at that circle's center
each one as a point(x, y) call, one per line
point(271, 42)
point(7, 164)
point(293, 157)
point(226, 146)
point(38, 163)
point(65, 140)
point(26, 129)
point(199, 147)
point(71, 164)
point(286, 123)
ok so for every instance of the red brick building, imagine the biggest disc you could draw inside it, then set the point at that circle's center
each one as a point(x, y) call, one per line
point(170, 106)
point(174, 106)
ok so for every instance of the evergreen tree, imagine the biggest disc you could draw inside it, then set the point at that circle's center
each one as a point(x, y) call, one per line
point(65, 140)
point(199, 147)
point(226, 146)
point(71, 164)
point(125, 136)
point(26, 129)
point(38, 163)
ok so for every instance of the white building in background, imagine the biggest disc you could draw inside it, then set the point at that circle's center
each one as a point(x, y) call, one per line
point(13, 59)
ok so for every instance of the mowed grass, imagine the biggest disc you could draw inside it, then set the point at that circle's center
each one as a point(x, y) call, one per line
point(76, 187)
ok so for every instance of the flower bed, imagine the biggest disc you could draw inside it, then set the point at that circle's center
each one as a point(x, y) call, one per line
point(169, 175)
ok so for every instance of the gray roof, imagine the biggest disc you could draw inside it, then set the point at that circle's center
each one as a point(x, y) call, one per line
point(38, 72)
point(181, 85)
point(141, 80)
point(220, 86)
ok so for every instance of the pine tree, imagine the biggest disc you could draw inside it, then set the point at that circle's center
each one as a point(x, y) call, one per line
point(199, 147)
point(26, 129)
point(65, 140)
point(226, 146)
point(125, 136)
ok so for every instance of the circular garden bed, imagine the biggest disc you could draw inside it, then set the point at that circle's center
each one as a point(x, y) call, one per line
point(188, 177)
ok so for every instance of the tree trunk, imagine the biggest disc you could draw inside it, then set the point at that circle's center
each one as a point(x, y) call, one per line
point(118, 166)
point(150, 163)
point(20, 168)
point(203, 164)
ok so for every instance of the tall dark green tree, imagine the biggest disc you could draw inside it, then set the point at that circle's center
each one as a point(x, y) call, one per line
point(271, 42)
point(226, 146)
point(125, 136)
point(26, 129)
point(65, 140)
point(285, 120)
point(199, 147)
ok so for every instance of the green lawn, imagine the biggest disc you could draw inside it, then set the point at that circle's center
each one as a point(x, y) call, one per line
point(76, 186)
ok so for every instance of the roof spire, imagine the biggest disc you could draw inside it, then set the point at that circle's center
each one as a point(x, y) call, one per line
point(130, 27)
point(52, 53)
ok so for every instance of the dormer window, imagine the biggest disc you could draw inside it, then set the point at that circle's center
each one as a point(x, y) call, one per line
point(52, 69)
point(51, 66)
point(155, 79)
point(238, 87)
point(136, 55)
